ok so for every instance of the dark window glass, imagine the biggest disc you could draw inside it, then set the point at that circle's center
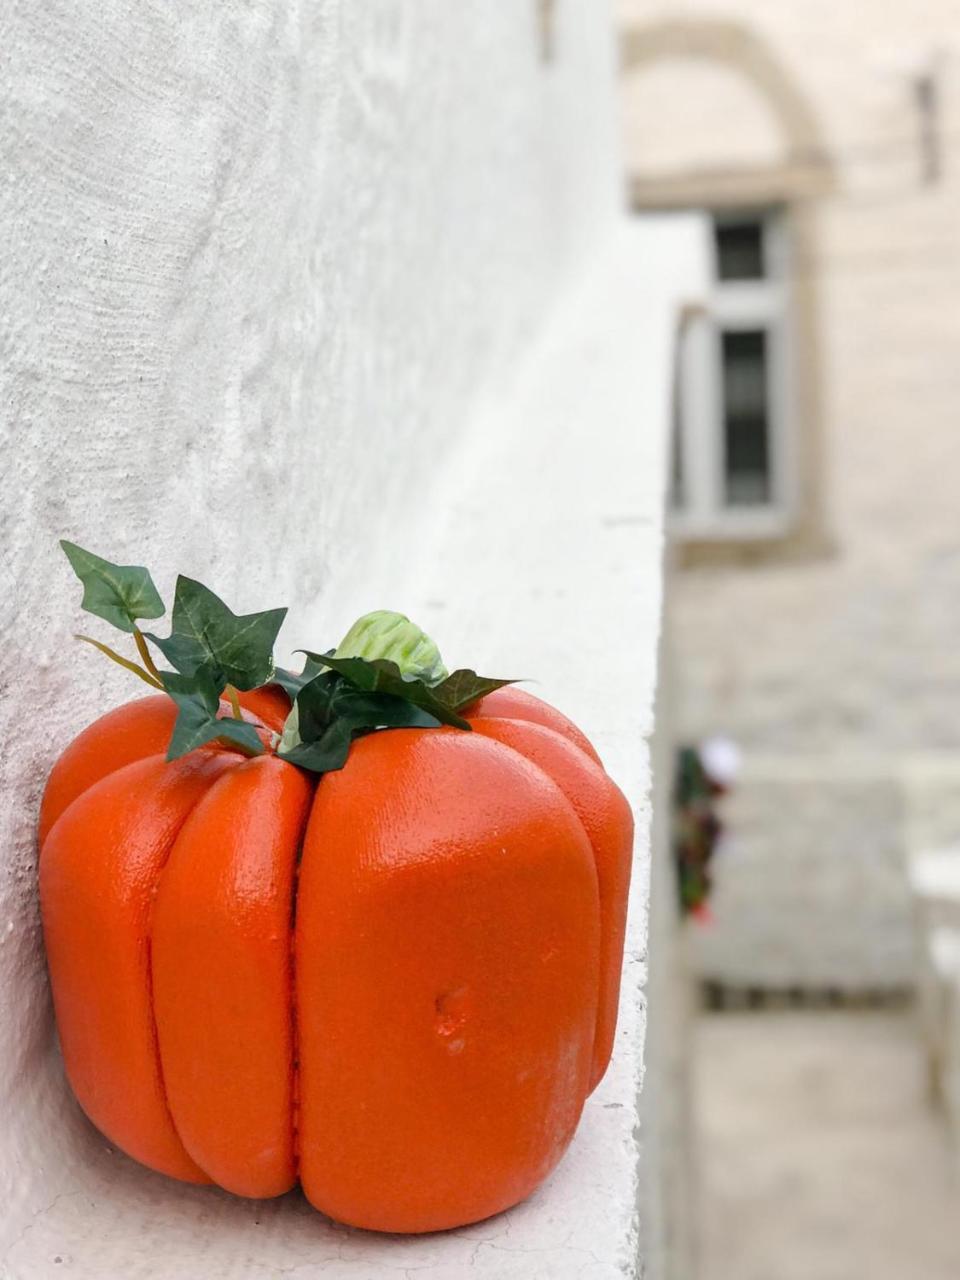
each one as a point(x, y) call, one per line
point(746, 418)
point(677, 484)
point(677, 488)
point(739, 248)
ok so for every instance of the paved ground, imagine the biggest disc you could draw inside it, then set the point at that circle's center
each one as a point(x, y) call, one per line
point(818, 1156)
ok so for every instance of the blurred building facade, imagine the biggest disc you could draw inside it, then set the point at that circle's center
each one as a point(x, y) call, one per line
point(816, 540)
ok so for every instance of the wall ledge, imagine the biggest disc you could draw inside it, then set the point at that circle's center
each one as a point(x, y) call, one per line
point(539, 550)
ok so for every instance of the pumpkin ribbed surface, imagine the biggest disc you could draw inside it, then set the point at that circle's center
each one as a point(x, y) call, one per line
point(398, 984)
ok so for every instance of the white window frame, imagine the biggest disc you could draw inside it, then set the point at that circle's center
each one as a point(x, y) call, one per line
point(735, 306)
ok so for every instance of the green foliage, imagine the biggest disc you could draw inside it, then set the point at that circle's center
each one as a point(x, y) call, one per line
point(292, 681)
point(118, 593)
point(464, 687)
point(353, 696)
point(329, 713)
point(386, 674)
point(198, 702)
point(235, 649)
point(383, 676)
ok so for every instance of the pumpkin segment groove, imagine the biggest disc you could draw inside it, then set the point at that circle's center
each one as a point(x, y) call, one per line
point(608, 822)
point(512, 703)
point(399, 983)
point(222, 976)
point(99, 869)
point(294, 1016)
point(132, 732)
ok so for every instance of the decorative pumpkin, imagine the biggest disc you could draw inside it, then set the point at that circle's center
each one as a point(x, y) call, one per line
point(396, 983)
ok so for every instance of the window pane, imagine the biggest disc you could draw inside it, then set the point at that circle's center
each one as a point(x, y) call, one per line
point(739, 250)
point(678, 497)
point(746, 418)
point(677, 483)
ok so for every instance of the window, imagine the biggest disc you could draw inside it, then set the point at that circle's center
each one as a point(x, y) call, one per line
point(739, 250)
point(746, 417)
point(731, 438)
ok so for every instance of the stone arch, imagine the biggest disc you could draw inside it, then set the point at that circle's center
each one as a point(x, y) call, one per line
point(806, 168)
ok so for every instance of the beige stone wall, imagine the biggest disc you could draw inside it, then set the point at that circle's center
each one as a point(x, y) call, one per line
point(848, 652)
point(855, 650)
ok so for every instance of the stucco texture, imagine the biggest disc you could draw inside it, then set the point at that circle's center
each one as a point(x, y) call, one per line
point(263, 266)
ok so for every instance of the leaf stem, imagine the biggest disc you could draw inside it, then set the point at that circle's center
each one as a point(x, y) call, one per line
point(144, 651)
point(123, 662)
point(231, 693)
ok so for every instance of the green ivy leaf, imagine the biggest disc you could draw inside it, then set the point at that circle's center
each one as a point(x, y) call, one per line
point(329, 713)
point(118, 593)
point(198, 705)
point(329, 698)
point(292, 682)
point(464, 686)
point(206, 634)
point(383, 676)
point(443, 700)
point(326, 753)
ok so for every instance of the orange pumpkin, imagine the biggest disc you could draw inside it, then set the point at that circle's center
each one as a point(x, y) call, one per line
point(398, 985)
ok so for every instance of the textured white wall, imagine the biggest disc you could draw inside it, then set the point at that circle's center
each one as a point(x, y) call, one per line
point(262, 264)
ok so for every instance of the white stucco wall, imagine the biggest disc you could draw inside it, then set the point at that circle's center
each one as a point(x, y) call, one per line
point(272, 290)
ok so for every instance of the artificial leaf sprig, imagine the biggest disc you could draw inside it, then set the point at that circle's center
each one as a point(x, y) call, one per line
point(198, 719)
point(358, 695)
point(381, 675)
point(212, 650)
point(329, 713)
point(118, 593)
point(205, 634)
point(386, 673)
